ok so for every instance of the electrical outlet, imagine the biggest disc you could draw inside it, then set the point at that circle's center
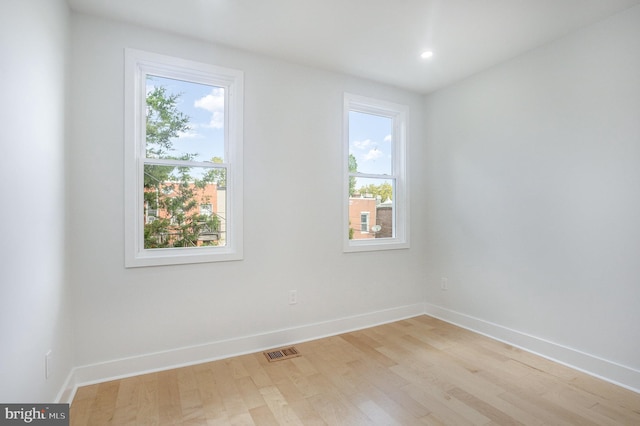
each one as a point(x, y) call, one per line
point(47, 364)
point(293, 297)
point(444, 283)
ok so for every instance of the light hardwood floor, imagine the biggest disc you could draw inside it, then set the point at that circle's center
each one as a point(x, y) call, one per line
point(411, 372)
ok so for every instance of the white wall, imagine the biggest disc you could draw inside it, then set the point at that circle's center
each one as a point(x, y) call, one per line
point(533, 185)
point(524, 194)
point(34, 310)
point(292, 223)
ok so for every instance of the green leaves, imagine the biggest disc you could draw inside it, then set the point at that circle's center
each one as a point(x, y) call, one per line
point(353, 167)
point(164, 122)
point(384, 191)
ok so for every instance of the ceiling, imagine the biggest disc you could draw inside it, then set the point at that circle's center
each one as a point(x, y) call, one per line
point(379, 40)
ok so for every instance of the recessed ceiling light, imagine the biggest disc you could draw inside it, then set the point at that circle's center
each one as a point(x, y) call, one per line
point(426, 54)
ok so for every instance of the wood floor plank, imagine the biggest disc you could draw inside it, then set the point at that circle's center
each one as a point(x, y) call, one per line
point(412, 372)
point(441, 410)
point(278, 405)
point(376, 413)
point(334, 410)
point(169, 406)
point(483, 407)
point(262, 415)
point(249, 392)
point(212, 404)
point(127, 402)
point(548, 411)
point(306, 413)
point(102, 411)
point(147, 412)
point(611, 414)
point(391, 407)
point(287, 387)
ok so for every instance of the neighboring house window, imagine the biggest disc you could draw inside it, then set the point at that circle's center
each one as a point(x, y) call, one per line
point(364, 222)
point(375, 183)
point(183, 161)
point(150, 214)
point(206, 210)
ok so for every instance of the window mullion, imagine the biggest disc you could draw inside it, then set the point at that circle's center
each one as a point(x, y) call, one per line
point(184, 163)
point(372, 175)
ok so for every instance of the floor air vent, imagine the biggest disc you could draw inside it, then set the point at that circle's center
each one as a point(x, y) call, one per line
point(280, 354)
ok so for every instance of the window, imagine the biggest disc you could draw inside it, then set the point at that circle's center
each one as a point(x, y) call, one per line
point(183, 161)
point(364, 222)
point(206, 210)
point(375, 185)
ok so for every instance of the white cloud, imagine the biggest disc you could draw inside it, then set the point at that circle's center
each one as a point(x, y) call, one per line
point(214, 103)
point(189, 134)
point(373, 154)
point(362, 144)
point(387, 138)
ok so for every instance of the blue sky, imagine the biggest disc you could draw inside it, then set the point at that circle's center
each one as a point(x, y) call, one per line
point(205, 107)
point(370, 142)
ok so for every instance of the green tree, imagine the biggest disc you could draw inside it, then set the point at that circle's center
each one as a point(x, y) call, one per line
point(353, 167)
point(218, 175)
point(164, 122)
point(171, 193)
point(384, 191)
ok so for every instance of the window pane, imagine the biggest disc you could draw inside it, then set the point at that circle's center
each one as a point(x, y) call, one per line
point(364, 222)
point(185, 120)
point(370, 142)
point(184, 206)
point(371, 209)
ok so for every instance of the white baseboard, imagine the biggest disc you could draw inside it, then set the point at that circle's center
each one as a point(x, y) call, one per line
point(620, 375)
point(68, 390)
point(609, 371)
point(148, 363)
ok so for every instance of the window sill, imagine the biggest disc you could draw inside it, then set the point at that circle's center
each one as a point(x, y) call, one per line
point(181, 256)
point(374, 245)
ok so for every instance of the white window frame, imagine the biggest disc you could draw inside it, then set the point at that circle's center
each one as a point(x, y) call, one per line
point(399, 115)
point(139, 64)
